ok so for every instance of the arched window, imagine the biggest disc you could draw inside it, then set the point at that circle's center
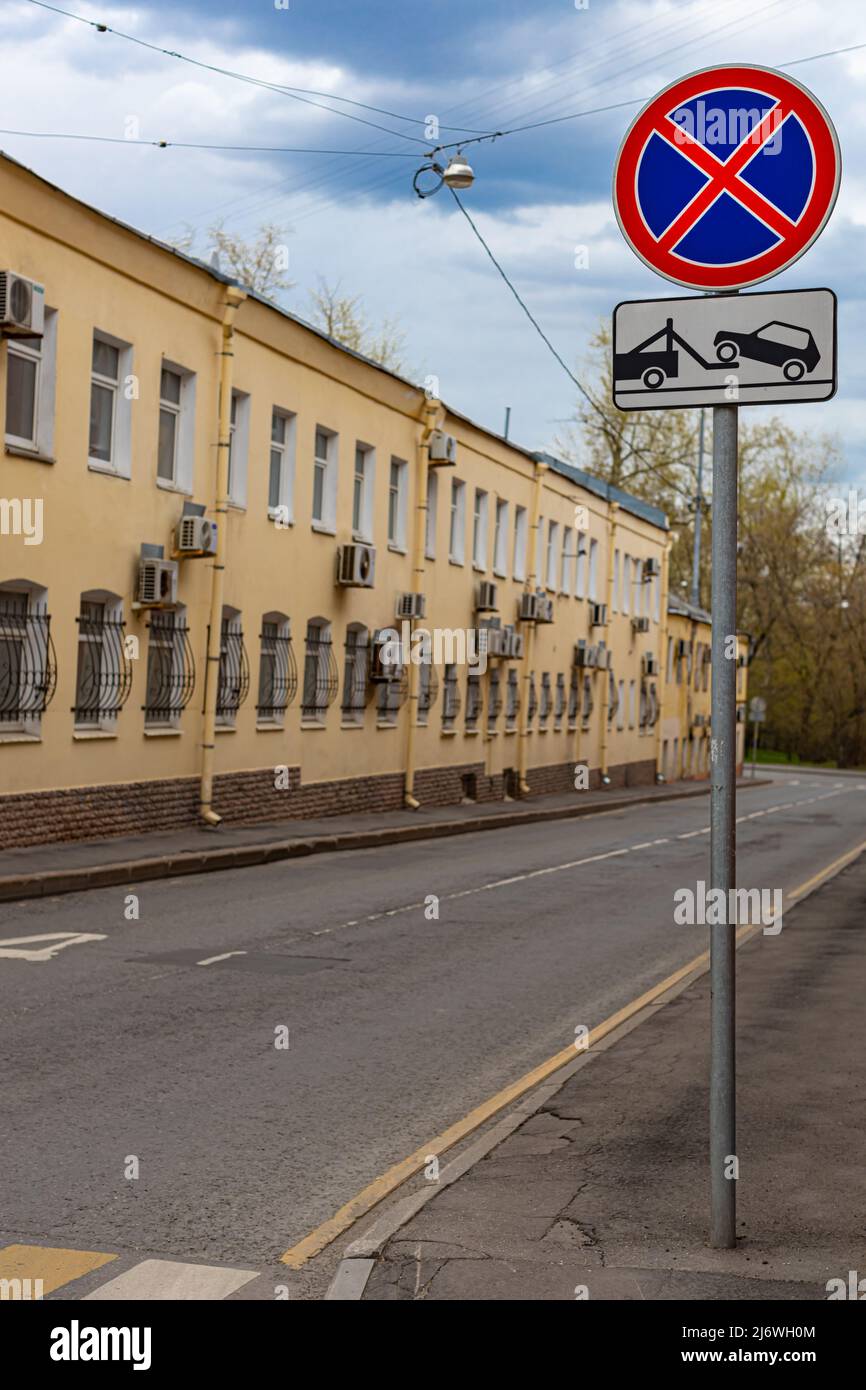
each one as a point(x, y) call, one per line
point(356, 684)
point(234, 669)
point(104, 671)
point(278, 672)
point(28, 668)
point(321, 677)
point(170, 668)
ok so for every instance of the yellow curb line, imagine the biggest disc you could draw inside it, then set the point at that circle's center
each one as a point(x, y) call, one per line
point(381, 1187)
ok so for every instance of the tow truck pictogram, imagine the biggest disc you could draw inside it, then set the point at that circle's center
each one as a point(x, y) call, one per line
point(653, 368)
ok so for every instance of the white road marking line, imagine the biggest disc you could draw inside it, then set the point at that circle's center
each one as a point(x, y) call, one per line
point(212, 960)
point(164, 1280)
point(62, 938)
point(552, 869)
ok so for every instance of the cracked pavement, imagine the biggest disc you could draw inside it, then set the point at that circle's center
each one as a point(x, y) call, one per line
point(603, 1193)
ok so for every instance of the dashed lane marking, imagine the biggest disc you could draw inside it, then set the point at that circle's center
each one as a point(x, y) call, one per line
point(552, 869)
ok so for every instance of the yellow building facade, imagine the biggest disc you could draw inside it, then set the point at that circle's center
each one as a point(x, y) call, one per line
point(247, 574)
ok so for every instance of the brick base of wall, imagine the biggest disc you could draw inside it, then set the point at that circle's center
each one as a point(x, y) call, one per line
point(248, 798)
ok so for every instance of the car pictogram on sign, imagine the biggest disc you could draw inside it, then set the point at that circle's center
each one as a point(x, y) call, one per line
point(780, 344)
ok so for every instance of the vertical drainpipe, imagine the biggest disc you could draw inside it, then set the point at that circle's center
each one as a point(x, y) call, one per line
point(663, 669)
point(605, 705)
point(234, 296)
point(429, 422)
point(529, 587)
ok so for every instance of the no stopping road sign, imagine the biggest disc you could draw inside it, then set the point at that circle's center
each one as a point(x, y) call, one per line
point(726, 177)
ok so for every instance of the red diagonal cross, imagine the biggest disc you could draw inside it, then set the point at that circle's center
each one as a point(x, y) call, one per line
point(724, 177)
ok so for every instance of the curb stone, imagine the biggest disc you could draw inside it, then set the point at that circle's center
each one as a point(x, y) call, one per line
point(52, 882)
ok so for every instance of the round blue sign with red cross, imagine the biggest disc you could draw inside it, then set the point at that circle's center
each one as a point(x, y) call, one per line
point(726, 177)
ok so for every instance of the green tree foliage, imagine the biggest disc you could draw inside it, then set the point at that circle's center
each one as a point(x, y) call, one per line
point(801, 587)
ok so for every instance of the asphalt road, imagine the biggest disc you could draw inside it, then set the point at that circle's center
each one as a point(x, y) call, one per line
point(399, 1021)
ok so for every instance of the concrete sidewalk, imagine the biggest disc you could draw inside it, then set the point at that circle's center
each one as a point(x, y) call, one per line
point(45, 870)
point(605, 1187)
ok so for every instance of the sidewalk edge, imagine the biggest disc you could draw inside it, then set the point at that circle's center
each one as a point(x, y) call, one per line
point(53, 882)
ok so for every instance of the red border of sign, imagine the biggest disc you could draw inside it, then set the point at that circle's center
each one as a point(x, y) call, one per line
point(828, 171)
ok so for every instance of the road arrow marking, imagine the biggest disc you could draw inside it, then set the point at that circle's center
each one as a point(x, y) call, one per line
point(63, 938)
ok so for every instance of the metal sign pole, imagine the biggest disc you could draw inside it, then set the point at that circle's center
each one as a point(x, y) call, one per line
point(723, 828)
point(755, 748)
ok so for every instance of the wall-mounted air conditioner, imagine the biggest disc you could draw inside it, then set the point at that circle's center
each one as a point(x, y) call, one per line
point(527, 610)
point(22, 306)
point(651, 569)
point(356, 566)
point(410, 606)
point(157, 583)
point(640, 624)
point(486, 600)
point(195, 536)
point(442, 448)
point(544, 611)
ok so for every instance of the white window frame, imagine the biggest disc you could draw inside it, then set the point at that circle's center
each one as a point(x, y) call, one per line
point(593, 572)
point(500, 539)
point(639, 586)
point(552, 554)
point(580, 569)
point(432, 514)
point(284, 511)
point(29, 726)
point(480, 517)
point(44, 355)
point(398, 504)
point(184, 432)
point(632, 703)
point(328, 466)
point(620, 705)
point(521, 533)
point(119, 462)
point(363, 484)
point(239, 449)
point(626, 584)
point(457, 523)
point(614, 601)
point(567, 559)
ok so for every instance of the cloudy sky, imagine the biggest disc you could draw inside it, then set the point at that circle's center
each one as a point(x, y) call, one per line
point(482, 67)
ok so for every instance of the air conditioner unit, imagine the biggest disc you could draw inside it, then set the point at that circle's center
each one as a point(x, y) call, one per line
point(517, 645)
point(442, 447)
point(486, 601)
point(651, 569)
point(491, 639)
point(650, 664)
point(544, 611)
point(382, 670)
point(411, 606)
point(603, 657)
point(22, 306)
point(581, 653)
point(157, 584)
point(528, 608)
point(356, 566)
point(640, 625)
point(598, 615)
point(195, 535)
point(591, 658)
